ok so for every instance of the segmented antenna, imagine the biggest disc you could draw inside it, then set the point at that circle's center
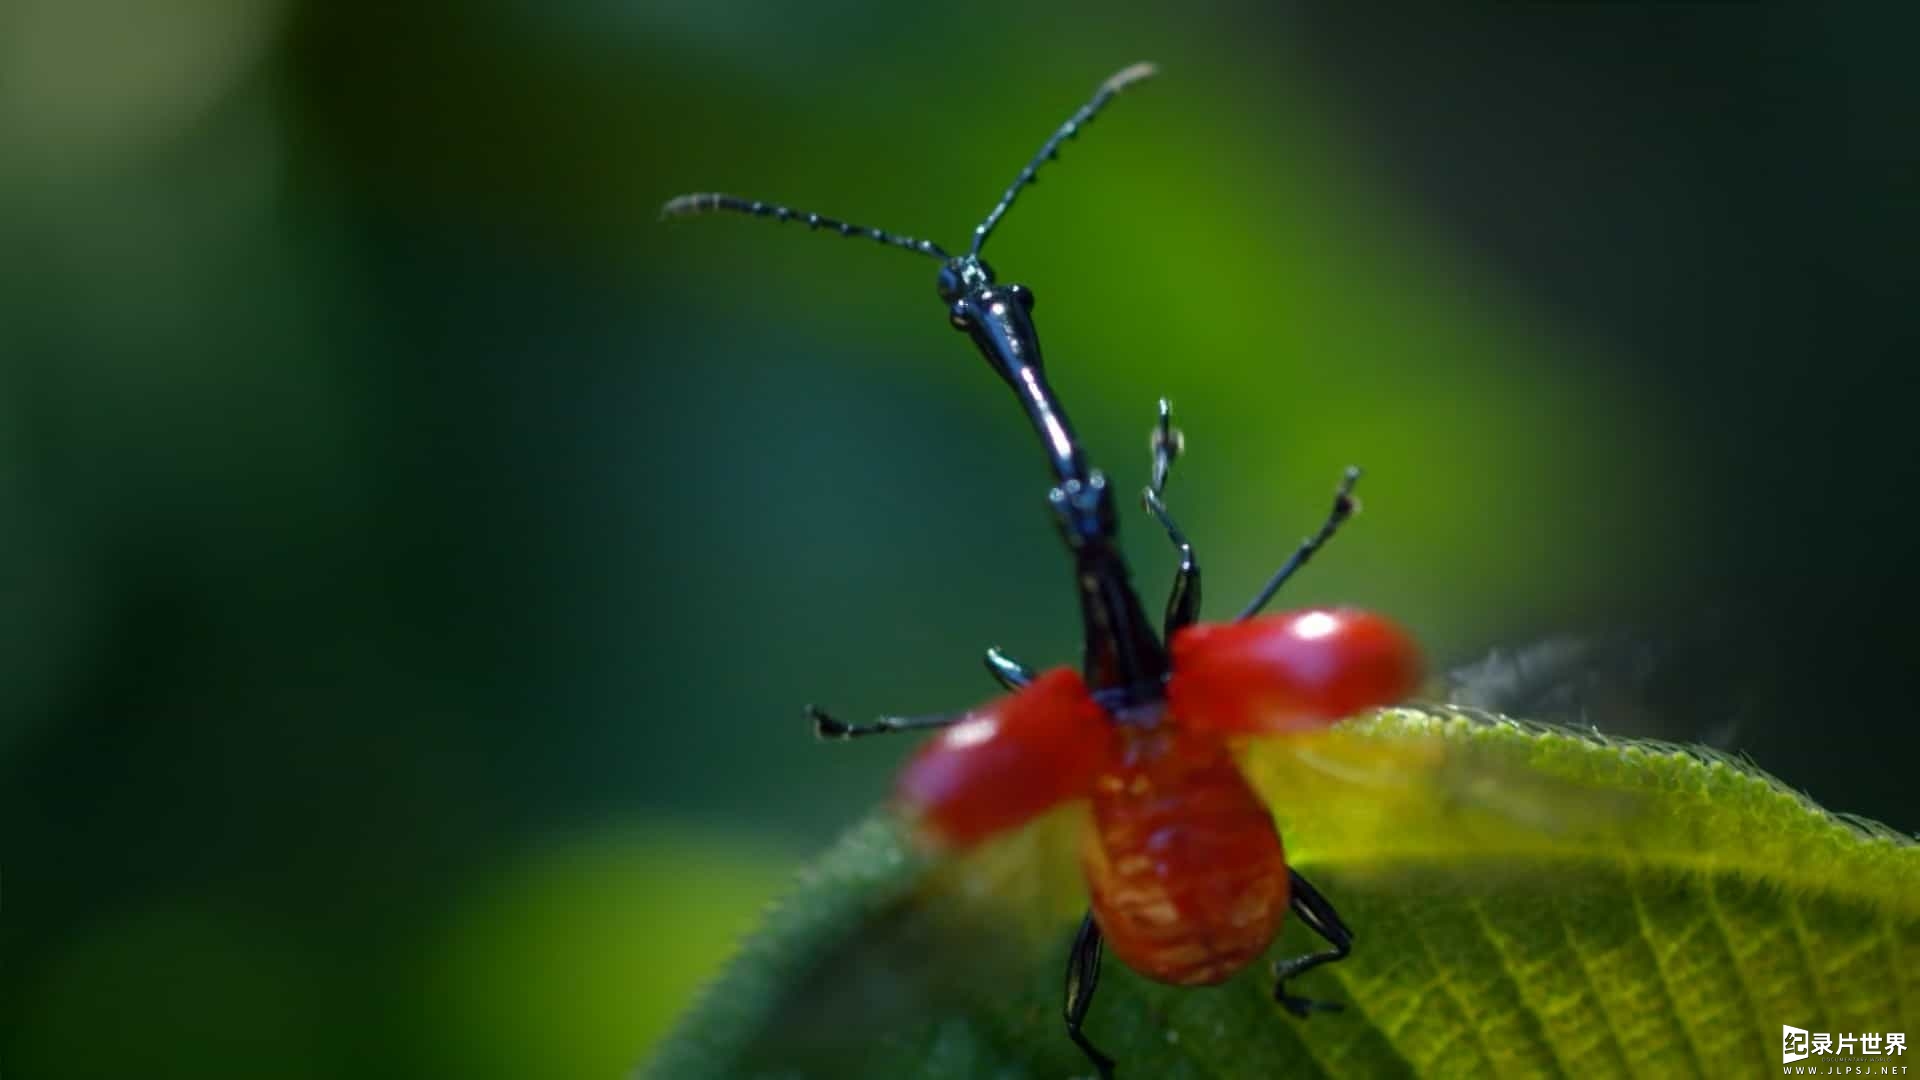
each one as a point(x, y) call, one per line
point(1051, 148)
point(707, 202)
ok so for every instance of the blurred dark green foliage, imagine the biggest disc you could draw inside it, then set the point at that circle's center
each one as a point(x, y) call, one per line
point(408, 542)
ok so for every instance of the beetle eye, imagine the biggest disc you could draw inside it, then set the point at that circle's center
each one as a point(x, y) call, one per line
point(959, 317)
point(1024, 295)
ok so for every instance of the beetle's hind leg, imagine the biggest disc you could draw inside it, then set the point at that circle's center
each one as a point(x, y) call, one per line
point(1083, 978)
point(1314, 910)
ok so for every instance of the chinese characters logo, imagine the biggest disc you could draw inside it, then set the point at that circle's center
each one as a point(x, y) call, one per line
point(1798, 1044)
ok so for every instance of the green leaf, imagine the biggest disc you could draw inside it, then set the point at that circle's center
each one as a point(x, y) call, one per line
point(1526, 901)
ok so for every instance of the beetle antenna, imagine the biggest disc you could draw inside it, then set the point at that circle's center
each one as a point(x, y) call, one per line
point(1051, 148)
point(707, 202)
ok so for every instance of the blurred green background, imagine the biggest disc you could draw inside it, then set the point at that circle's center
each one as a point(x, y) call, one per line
point(415, 555)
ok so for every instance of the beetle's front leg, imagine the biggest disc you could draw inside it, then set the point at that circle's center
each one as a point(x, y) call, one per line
point(1183, 604)
point(827, 727)
point(1010, 673)
point(1344, 505)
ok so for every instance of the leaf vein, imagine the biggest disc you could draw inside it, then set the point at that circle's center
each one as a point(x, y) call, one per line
point(1896, 976)
point(1612, 1026)
point(1805, 951)
point(1521, 987)
point(1661, 977)
point(1747, 1007)
point(1472, 1021)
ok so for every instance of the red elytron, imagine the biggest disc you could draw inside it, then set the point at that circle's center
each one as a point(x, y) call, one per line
point(1185, 870)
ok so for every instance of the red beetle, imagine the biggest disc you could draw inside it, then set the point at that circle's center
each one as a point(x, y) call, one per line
point(1184, 868)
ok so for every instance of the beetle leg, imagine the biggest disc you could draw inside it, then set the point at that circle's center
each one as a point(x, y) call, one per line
point(1314, 910)
point(1183, 604)
point(1343, 508)
point(826, 727)
point(1011, 674)
point(1008, 672)
point(1083, 978)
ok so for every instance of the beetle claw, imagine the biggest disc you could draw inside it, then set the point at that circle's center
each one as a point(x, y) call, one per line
point(825, 726)
point(1306, 1007)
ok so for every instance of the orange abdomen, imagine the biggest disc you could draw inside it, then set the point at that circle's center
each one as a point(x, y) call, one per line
point(1187, 877)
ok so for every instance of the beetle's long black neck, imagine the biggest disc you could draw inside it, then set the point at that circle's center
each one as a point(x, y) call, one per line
point(1004, 333)
point(1125, 663)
